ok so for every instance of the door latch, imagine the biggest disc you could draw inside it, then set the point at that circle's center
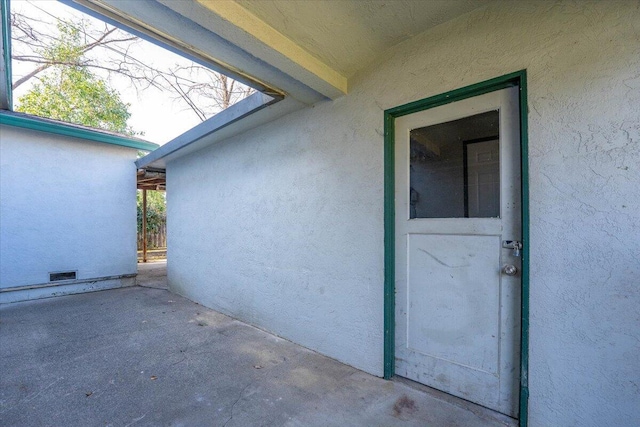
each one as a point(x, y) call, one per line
point(513, 244)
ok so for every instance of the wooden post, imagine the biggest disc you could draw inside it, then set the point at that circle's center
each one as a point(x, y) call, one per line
point(144, 225)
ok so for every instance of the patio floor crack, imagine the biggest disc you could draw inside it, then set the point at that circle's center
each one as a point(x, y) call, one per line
point(236, 402)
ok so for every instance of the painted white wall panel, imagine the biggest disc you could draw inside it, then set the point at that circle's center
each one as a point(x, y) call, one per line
point(283, 226)
point(65, 204)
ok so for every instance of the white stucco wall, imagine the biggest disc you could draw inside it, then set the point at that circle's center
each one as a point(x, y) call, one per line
point(65, 204)
point(283, 226)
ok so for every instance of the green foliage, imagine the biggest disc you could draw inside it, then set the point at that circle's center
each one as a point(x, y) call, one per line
point(71, 93)
point(156, 210)
point(74, 95)
point(67, 48)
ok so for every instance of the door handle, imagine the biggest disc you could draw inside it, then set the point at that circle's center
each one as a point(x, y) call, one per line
point(510, 270)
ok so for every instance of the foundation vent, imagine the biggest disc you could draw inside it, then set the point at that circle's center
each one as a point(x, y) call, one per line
point(63, 275)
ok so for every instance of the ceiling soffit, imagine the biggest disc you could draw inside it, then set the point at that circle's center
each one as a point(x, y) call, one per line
point(307, 49)
point(320, 43)
point(349, 35)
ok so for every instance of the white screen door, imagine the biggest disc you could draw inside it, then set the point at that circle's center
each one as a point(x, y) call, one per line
point(458, 230)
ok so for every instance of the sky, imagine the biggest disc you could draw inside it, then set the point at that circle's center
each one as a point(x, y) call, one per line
point(153, 111)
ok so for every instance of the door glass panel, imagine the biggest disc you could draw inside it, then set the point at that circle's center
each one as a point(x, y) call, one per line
point(455, 168)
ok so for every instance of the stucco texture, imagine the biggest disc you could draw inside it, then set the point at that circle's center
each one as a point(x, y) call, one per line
point(65, 205)
point(283, 226)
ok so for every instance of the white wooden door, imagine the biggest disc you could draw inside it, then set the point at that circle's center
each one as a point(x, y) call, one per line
point(457, 204)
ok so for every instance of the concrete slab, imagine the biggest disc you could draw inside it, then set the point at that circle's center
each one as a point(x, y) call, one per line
point(153, 274)
point(146, 357)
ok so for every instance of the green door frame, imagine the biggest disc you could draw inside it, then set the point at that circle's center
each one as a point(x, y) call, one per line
point(519, 79)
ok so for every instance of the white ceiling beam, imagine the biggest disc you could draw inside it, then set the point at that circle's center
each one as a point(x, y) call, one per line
point(242, 28)
point(187, 26)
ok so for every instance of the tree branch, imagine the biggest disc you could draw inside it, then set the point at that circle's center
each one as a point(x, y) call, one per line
point(202, 90)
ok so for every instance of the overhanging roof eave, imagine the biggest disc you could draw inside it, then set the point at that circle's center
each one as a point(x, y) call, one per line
point(226, 117)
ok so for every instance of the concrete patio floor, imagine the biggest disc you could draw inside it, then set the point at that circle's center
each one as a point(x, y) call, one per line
point(146, 357)
point(153, 274)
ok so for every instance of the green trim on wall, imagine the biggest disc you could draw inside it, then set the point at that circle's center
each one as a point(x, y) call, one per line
point(518, 78)
point(59, 128)
point(389, 245)
point(6, 47)
point(524, 308)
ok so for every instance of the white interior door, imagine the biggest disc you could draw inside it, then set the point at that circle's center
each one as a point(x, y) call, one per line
point(457, 286)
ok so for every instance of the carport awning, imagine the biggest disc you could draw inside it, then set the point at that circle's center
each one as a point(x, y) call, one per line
point(151, 179)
